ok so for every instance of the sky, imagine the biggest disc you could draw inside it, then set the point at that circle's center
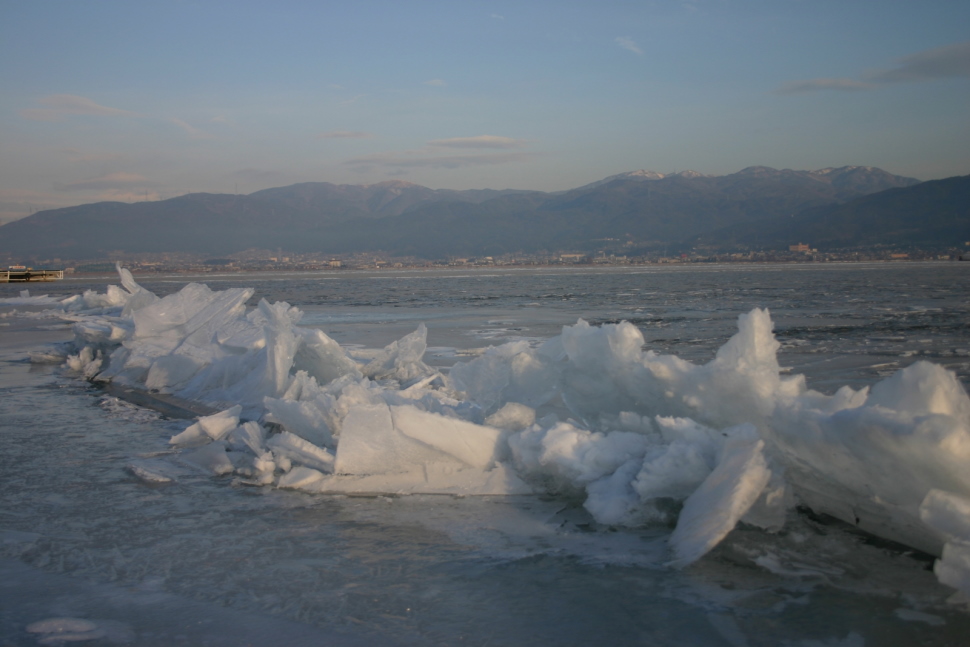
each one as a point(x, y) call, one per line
point(130, 101)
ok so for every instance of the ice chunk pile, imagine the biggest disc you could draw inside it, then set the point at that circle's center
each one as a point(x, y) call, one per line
point(639, 437)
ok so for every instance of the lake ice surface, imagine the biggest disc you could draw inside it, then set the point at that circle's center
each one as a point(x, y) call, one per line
point(172, 562)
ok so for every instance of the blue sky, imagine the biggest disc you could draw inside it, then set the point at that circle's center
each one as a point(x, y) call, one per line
point(149, 100)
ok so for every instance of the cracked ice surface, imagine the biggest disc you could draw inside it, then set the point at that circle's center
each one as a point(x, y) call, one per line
point(641, 437)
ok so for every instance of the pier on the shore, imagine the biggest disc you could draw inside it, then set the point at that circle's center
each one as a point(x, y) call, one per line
point(17, 274)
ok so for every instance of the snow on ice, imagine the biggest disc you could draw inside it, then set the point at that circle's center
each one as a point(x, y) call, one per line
point(641, 437)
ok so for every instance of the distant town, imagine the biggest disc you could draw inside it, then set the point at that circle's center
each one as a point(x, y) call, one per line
point(279, 260)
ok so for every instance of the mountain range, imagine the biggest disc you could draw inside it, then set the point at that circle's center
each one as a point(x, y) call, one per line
point(630, 213)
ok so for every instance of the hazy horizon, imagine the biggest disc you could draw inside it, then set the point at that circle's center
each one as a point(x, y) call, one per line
point(112, 101)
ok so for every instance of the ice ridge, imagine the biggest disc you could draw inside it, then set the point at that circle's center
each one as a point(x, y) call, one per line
point(642, 437)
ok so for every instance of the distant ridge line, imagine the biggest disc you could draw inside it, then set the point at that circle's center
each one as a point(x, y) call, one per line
point(630, 213)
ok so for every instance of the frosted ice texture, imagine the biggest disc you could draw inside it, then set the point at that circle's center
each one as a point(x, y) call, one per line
point(640, 436)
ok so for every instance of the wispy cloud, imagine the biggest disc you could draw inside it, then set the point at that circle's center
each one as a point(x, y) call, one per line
point(498, 16)
point(115, 181)
point(816, 85)
point(190, 130)
point(58, 106)
point(950, 61)
point(479, 141)
point(418, 159)
point(345, 134)
point(440, 83)
point(629, 45)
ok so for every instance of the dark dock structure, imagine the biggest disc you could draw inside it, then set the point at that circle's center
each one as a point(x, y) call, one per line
point(21, 274)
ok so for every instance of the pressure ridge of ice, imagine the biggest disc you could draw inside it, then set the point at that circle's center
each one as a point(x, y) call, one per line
point(640, 437)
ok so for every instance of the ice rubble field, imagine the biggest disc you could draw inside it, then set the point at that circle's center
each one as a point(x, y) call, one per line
point(643, 437)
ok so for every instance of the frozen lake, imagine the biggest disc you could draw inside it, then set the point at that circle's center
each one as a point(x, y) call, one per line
point(208, 560)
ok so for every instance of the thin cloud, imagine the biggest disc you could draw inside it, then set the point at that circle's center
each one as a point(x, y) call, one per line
point(417, 159)
point(629, 45)
point(817, 85)
point(950, 61)
point(192, 131)
point(58, 106)
point(479, 141)
point(498, 16)
point(345, 134)
point(120, 181)
point(439, 83)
